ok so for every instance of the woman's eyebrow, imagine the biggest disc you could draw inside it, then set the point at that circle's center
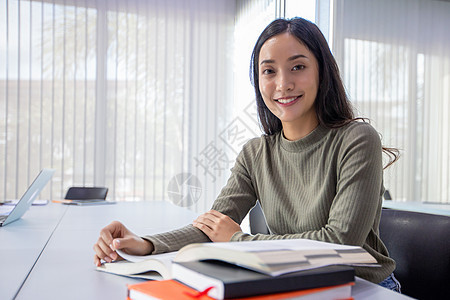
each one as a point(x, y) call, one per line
point(267, 61)
point(297, 56)
point(294, 57)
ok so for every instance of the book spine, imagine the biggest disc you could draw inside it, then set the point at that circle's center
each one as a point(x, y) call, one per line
point(194, 275)
point(282, 284)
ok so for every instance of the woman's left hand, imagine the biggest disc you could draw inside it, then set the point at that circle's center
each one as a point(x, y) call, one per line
point(217, 226)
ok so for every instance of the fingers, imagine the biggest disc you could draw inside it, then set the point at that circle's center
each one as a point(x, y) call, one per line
point(97, 261)
point(131, 244)
point(210, 218)
point(100, 255)
point(106, 235)
point(116, 236)
point(104, 248)
point(205, 224)
point(104, 251)
point(207, 229)
point(213, 215)
point(206, 221)
point(216, 214)
point(217, 226)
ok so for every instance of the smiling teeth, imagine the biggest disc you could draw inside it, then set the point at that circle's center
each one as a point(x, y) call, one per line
point(285, 101)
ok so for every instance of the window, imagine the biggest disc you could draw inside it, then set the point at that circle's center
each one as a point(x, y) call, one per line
point(394, 57)
point(125, 94)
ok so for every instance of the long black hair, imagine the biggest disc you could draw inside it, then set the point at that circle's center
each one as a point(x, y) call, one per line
point(332, 105)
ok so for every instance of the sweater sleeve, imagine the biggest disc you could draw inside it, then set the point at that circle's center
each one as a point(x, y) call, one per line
point(234, 200)
point(239, 194)
point(358, 192)
point(176, 239)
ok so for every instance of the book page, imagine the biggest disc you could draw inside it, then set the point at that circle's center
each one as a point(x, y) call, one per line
point(275, 257)
point(146, 267)
point(276, 245)
point(138, 258)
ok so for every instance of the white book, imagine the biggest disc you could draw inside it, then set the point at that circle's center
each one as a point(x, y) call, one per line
point(272, 257)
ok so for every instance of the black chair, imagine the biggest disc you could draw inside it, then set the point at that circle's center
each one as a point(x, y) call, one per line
point(257, 220)
point(420, 245)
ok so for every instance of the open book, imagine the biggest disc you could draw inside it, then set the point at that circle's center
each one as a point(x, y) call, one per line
point(153, 267)
point(272, 257)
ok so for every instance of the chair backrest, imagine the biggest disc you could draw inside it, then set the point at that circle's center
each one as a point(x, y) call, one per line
point(257, 220)
point(420, 245)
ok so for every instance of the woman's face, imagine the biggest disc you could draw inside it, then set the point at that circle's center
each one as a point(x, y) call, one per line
point(289, 80)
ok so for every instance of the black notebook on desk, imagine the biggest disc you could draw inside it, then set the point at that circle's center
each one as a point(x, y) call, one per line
point(230, 281)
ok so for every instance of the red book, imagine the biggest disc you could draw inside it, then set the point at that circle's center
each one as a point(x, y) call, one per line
point(171, 289)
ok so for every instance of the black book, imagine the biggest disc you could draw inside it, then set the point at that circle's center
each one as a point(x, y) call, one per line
point(231, 281)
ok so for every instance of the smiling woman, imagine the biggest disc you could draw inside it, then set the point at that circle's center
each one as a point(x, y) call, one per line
point(289, 80)
point(332, 113)
point(317, 171)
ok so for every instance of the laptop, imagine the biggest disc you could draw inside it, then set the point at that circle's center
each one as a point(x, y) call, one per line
point(17, 211)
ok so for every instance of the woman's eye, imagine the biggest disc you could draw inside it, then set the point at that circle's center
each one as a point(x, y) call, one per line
point(267, 71)
point(298, 67)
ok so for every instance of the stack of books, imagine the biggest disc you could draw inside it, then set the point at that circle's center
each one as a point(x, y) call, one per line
point(275, 269)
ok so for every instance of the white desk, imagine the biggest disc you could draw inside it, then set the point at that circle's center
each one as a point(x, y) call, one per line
point(53, 246)
point(429, 208)
point(21, 244)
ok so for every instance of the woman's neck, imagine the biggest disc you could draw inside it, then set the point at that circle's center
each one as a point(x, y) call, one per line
point(294, 131)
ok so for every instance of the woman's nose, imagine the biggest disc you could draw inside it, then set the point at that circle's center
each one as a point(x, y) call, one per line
point(284, 82)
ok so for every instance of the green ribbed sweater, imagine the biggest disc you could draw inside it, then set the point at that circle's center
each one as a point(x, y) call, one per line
point(327, 186)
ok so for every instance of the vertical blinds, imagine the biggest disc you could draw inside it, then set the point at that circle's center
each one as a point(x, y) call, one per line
point(251, 19)
point(123, 94)
point(137, 95)
point(395, 60)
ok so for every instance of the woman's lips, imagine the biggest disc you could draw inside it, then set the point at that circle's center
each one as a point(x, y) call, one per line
point(288, 101)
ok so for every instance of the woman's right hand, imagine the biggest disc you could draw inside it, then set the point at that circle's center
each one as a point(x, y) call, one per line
point(116, 236)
